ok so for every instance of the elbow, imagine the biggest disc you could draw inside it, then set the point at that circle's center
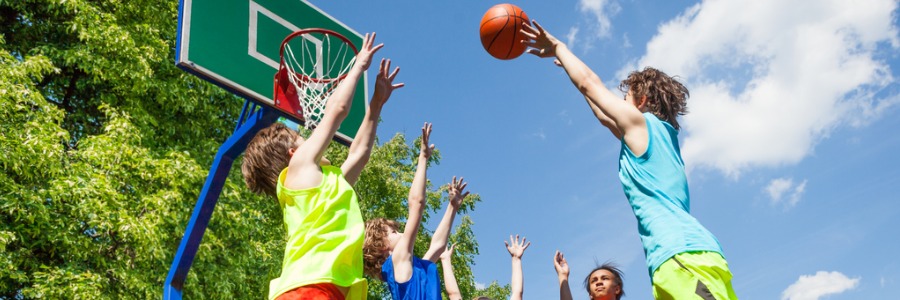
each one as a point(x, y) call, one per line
point(585, 81)
point(416, 200)
point(339, 109)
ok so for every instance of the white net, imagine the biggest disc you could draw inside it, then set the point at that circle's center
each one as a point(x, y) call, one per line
point(316, 70)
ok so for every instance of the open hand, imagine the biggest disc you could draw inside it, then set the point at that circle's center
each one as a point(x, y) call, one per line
point(456, 191)
point(541, 42)
point(384, 83)
point(516, 249)
point(364, 57)
point(448, 254)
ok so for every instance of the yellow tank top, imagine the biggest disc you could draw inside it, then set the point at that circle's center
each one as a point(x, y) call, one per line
point(325, 233)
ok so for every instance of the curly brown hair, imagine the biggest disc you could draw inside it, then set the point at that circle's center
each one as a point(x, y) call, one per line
point(266, 156)
point(375, 244)
point(666, 97)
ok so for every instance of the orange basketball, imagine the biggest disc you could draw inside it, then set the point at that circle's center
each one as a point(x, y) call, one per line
point(500, 34)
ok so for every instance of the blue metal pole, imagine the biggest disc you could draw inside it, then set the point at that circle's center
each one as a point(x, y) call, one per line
point(218, 173)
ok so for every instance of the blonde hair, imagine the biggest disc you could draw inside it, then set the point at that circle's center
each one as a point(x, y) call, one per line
point(375, 244)
point(266, 156)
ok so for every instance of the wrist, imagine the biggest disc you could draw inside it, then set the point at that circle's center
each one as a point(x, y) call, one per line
point(376, 103)
point(558, 46)
point(516, 259)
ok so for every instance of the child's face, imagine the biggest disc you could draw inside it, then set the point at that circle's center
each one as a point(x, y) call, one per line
point(603, 285)
point(393, 237)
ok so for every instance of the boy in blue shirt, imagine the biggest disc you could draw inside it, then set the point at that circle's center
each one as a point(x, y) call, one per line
point(388, 253)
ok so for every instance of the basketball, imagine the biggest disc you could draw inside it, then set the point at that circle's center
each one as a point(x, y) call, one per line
point(499, 30)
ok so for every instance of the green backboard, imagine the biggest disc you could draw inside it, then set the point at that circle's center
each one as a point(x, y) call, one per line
point(235, 44)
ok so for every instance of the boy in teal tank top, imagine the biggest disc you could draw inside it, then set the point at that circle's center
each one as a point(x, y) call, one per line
point(325, 230)
point(684, 259)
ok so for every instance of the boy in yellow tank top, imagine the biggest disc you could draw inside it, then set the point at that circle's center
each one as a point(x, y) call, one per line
point(325, 230)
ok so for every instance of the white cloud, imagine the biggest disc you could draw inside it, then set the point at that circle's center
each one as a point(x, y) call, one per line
point(770, 82)
point(601, 11)
point(480, 286)
point(812, 287)
point(784, 191)
point(572, 36)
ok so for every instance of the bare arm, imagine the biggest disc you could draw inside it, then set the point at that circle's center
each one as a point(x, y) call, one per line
point(562, 273)
point(450, 284)
point(304, 171)
point(604, 120)
point(625, 117)
point(361, 148)
point(402, 254)
point(516, 250)
point(442, 233)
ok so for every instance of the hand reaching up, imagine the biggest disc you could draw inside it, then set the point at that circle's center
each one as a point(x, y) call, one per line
point(364, 56)
point(384, 83)
point(516, 249)
point(456, 191)
point(562, 267)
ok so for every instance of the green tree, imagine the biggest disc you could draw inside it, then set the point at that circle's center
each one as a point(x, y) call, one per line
point(105, 145)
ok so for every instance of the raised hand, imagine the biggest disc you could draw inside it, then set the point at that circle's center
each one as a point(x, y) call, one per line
point(448, 253)
point(425, 150)
point(541, 42)
point(384, 83)
point(456, 191)
point(516, 249)
point(562, 267)
point(364, 57)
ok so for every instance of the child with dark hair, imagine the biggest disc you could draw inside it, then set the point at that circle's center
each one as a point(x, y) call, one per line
point(683, 258)
point(603, 282)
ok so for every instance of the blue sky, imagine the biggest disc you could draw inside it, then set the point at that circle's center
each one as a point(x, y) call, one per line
point(790, 141)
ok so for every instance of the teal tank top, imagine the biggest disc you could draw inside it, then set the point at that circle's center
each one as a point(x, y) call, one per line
point(657, 189)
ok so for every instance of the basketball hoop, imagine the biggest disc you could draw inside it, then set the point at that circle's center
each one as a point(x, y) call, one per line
point(307, 78)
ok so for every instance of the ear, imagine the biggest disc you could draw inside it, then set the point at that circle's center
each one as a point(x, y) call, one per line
point(643, 103)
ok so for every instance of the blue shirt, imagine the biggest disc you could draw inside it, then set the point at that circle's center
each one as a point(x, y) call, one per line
point(423, 285)
point(657, 189)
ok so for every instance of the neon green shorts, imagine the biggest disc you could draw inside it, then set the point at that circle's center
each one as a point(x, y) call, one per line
point(693, 275)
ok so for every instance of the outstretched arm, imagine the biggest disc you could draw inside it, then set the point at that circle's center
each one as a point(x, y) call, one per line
point(304, 171)
point(625, 117)
point(402, 254)
point(450, 284)
point(442, 233)
point(562, 273)
point(361, 148)
point(516, 250)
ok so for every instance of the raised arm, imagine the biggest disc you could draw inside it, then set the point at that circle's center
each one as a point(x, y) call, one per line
point(516, 250)
point(402, 254)
point(450, 284)
point(442, 233)
point(304, 166)
point(562, 273)
point(361, 148)
point(625, 117)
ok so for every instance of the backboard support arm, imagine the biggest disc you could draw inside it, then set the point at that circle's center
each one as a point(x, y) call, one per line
point(249, 123)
